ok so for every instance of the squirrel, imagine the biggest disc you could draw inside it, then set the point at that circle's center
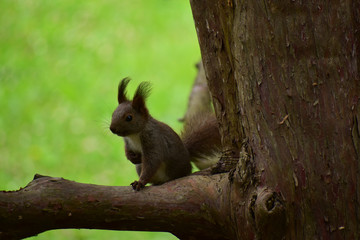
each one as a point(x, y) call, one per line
point(157, 151)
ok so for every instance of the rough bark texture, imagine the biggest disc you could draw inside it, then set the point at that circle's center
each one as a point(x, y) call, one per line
point(187, 207)
point(195, 207)
point(284, 76)
point(284, 80)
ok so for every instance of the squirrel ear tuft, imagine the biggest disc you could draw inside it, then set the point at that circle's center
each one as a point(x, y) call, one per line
point(142, 92)
point(122, 90)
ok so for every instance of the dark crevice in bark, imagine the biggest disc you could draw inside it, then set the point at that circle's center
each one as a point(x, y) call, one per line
point(356, 144)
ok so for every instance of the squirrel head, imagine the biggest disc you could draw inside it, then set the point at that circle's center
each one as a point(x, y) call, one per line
point(130, 117)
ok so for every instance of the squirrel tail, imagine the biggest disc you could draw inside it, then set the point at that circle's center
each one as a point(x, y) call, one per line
point(202, 139)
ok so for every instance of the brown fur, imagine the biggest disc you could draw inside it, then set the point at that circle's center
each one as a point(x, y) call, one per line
point(157, 151)
point(201, 138)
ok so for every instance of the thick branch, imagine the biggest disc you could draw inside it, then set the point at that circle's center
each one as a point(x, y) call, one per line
point(199, 99)
point(179, 207)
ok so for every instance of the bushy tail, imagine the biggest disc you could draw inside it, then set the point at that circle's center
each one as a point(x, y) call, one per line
point(202, 139)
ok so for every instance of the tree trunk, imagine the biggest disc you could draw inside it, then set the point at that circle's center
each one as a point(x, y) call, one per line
point(284, 80)
point(284, 76)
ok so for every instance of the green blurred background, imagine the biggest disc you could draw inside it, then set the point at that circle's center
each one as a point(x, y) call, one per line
point(60, 63)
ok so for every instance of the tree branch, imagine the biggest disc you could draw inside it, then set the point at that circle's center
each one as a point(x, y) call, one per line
point(199, 99)
point(179, 207)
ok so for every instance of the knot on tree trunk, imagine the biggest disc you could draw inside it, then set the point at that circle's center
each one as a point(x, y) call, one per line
point(267, 213)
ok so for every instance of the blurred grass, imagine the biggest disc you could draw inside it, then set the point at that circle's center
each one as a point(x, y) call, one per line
point(60, 63)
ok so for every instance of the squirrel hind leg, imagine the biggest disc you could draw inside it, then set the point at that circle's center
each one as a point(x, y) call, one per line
point(160, 175)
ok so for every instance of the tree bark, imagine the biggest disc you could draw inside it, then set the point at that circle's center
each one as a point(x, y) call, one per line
point(194, 207)
point(187, 207)
point(284, 76)
point(199, 99)
point(285, 85)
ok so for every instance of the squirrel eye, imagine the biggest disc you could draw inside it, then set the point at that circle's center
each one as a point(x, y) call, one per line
point(128, 118)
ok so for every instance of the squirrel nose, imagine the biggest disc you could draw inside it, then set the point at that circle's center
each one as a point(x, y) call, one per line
point(112, 129)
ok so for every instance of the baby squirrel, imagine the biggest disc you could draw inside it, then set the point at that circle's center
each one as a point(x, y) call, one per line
point(158, 153)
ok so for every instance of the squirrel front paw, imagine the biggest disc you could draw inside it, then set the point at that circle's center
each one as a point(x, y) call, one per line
point(137, 185)
point(135, 158)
